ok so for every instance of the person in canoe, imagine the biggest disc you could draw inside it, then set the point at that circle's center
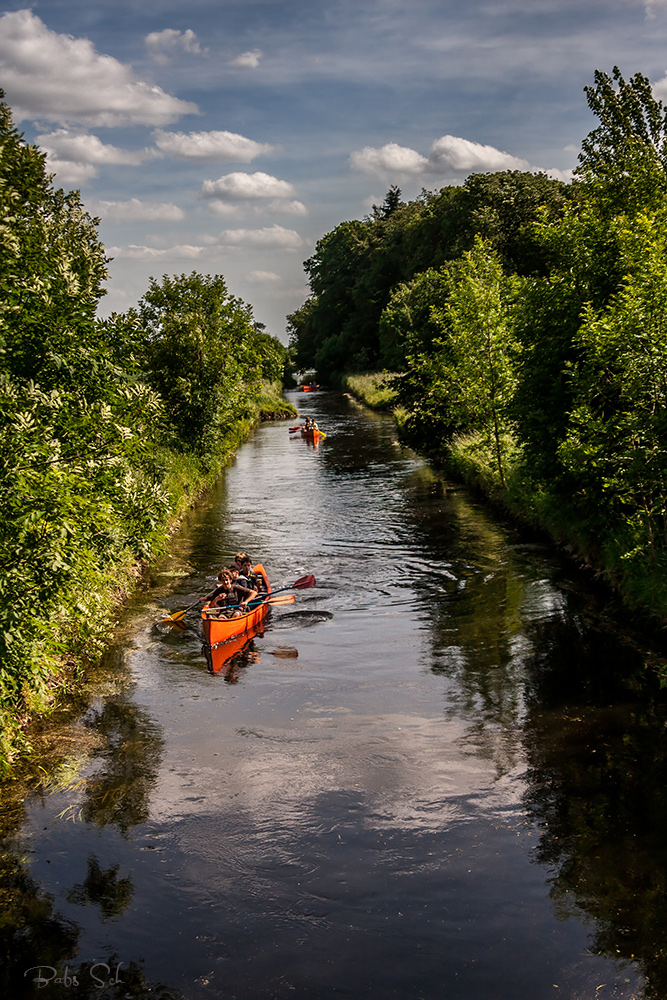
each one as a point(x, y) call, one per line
point(254, 578)
point(229, 593)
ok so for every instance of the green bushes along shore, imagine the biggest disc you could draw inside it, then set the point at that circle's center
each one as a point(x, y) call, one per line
point(108, 428)
point(527, 321)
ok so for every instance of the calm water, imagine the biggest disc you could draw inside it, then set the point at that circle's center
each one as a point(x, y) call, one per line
point(437, 775)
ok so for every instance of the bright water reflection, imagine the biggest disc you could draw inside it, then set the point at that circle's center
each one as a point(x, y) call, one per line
point(435, 776)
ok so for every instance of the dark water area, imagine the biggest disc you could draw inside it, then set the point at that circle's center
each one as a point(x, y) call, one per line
point(438, 775)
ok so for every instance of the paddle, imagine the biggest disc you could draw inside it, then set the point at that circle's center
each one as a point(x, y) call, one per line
point(178, 616)
point(281, 599)
point(301, 584)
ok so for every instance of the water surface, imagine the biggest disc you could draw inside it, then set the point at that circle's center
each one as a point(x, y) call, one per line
point(439, 774)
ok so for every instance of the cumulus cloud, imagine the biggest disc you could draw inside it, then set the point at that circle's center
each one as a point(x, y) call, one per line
point(239, 186)
point(270, 238)
point(163, 46)
point(389, 159)
point(248, 60)
point(287, 207)
point(134, 252)
point(464, 156)
point(264, 277)
point(209, 146)
point(76, 156)
point(449, 156)
point(134, 209)
point(53, 77)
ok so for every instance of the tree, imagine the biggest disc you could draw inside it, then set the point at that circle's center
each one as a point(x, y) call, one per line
point(481, 343)
point(627, 152)
point(198, 343)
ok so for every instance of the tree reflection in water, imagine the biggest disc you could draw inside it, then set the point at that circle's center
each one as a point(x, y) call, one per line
point(103, 888)
point(120, 792)
point(32, 932)
point(597, 788)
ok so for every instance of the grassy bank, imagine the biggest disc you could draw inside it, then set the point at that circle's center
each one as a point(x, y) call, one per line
point(374, 390)
point(59, 638)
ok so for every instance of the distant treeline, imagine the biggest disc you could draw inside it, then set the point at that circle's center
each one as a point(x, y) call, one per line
point(108, 428)
point(527, 322)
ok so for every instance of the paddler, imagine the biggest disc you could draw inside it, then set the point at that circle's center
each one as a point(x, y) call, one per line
point(231, 593)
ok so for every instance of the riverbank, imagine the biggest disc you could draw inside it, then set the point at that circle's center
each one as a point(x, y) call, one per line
point(66, 643)
point(470, 459)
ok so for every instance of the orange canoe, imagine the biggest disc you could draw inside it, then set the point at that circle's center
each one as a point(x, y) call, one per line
point(219, 630)
point(312, 434)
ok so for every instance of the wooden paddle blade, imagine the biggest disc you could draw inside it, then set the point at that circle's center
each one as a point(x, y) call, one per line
point(281, 599)
point(304, 582)
point(283, 652)
point(174, 619)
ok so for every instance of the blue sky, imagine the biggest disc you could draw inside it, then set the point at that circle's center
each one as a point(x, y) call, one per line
point(227, 137)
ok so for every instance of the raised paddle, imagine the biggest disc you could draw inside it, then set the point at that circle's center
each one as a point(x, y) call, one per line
point(280, 599)
point(301, 584)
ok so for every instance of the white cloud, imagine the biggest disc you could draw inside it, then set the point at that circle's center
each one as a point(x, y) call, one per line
point(271, 237)
point(464, 156)
point(264, 277)
point(53, 77)
point(133, 252)
point(164, 45)
point(450, 156)
point(288, 207)
point(248, 60)
point(203, 146)
point(134, 209)
point(389, 159)
point(224, 210)
point(76, 156)
point(239, 186)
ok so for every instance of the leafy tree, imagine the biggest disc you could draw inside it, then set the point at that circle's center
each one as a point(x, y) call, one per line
point(199, 350)
point(616, 442)
point(406, 325)
point(481, 343)
point(626, 154)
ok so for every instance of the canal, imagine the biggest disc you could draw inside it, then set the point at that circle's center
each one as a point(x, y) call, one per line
point(438, 775)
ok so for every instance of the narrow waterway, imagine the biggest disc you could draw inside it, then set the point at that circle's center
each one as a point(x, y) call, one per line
point(437, 775)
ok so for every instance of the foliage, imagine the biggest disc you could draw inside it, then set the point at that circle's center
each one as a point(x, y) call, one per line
point(627, 153)
point(353, 320)
point(480, 343)
point(197, 350)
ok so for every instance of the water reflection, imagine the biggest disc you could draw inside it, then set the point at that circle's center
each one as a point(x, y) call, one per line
point(119, 793)
point(103, 888)
point(596, 743)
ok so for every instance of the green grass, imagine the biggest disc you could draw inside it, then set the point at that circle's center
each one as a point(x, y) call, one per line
point(373, 389)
